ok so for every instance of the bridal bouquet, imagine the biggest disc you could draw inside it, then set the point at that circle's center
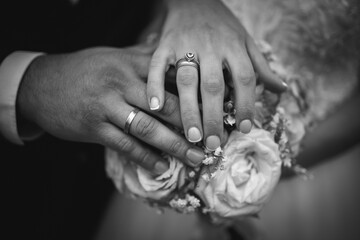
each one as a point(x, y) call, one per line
point(234, 181)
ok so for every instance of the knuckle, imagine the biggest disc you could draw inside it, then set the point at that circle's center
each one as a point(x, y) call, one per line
point(210, 36)
point(171, 106)
point(208, 29)
point(188, 115)
point(143, 158)
point(146, 127)
point(214, 85)
point(124, 144)
point(169, 34)
point(155, 62)
point(157, 59)
point(112, 77)
point(186, 77)
point(213, 124)
point(176, 147)
point(239, 47)
point(92, 115)
point(244, 112)
point(248, 79)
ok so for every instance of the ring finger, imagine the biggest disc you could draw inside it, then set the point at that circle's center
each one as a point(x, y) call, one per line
point(112, 137)
point(152, 132)
point(187, 78)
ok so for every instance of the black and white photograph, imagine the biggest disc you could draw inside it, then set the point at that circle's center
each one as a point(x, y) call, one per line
point(180, 119)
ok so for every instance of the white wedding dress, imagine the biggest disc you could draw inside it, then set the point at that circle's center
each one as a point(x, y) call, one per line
point(326, 207)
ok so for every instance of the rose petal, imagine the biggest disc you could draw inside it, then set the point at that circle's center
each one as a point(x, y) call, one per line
point(250, 174)
point(135, 180)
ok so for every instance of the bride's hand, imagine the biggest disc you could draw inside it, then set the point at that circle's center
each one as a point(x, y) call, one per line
point(210, 31)
point(88, 95)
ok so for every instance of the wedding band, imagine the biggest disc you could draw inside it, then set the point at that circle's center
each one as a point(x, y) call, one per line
point(188, 60)
point(129, 120)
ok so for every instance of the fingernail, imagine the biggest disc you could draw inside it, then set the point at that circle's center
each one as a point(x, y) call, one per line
point(245, 126)
point(212, 143)
point(161, 167)
point(195, 156)
point(285, 85)
point(194, 135)
point(154, 103)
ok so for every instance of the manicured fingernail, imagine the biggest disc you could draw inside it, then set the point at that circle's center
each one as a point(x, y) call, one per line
point(161, 167)
point(195, 156)
point(285, 85)
point(245, 126)
point(154, 103)
point(212, 143)
point(194, 135)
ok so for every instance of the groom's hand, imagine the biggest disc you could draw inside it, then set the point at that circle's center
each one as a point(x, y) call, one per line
point(87, 96)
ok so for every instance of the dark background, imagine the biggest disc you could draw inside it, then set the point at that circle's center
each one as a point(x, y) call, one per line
point(54, 189)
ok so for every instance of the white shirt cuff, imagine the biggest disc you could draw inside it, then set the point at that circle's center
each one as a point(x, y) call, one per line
point(12, 70)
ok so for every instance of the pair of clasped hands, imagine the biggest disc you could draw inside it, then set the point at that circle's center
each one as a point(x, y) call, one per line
point(88, 95)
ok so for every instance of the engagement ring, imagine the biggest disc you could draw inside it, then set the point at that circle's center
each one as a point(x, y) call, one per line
point(188, 60)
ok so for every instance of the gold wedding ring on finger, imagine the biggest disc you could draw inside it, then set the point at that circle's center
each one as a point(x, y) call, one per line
point(130, 119)
point(188, 60)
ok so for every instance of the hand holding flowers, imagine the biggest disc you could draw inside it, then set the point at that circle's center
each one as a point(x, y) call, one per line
point(234, 181)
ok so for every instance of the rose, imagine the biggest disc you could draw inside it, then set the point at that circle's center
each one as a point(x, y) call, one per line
point(251, 169)
point(240, 187)
point(135, 180)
